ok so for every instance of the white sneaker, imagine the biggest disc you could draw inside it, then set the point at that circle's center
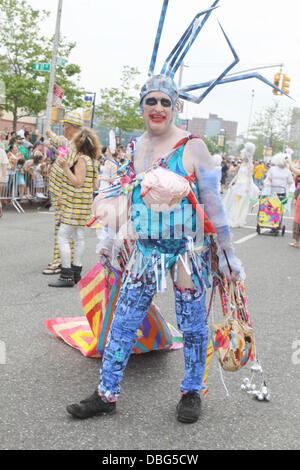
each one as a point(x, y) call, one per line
point(41, 196)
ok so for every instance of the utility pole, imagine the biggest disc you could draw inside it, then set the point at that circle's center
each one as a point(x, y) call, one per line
point(180, 83)
point(53, 67)
point(93, 111)
point(250, 114)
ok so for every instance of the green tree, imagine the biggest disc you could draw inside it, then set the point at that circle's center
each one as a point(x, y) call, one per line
point(119, 107)
point(214, 148)
point(21, 45)
point(273, 123)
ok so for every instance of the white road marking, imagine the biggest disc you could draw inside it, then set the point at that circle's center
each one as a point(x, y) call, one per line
point(249, 237)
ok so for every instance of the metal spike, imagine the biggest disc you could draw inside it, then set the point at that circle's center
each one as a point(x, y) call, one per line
point(181, 58)
point(173, 56)
point(184, 95)
point(215, 82)
point(157, 38)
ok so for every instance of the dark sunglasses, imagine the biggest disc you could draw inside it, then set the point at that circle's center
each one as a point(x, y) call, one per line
point(165, 102)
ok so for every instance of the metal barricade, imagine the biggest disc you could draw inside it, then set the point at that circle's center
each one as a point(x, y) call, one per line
point(9, 191)
point(23, 187)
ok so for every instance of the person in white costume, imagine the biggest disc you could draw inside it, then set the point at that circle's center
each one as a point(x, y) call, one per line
point(279, 178)
point(241, 189)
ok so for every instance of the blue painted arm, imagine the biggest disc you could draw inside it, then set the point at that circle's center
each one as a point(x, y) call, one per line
point(208, 177)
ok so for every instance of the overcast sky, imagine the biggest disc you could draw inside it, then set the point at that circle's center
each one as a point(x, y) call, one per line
point(112, 33)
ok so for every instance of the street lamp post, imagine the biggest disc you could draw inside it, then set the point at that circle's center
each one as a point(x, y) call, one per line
point(250, 114)
point(179, 86)
point(93, 112)
point(53, 67)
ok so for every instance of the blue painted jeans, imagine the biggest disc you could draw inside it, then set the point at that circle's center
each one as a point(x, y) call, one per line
point(132, 306)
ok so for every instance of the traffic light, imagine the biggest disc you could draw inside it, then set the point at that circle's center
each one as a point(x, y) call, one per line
point(285, 84)
point(57, 114)
point(277, 83)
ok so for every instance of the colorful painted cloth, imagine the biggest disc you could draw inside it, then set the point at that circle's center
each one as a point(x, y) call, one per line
point(99, 293)
point(76, 332)
point(270, 212)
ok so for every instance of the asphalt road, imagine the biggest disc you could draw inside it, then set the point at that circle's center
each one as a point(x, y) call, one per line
point(40, 374)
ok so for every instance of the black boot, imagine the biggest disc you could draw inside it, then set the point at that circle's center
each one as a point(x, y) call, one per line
point(91, 406)
point(66, 279)
point(189, 408)
point(77, 273)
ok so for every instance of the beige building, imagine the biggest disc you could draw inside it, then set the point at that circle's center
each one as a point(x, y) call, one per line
point(197, 126)
point(212, 126)
point(26, 123)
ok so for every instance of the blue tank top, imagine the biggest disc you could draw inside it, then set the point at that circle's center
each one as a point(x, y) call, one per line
point(165, 230)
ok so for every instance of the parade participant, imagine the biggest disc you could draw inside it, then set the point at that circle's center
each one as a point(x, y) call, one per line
point(72, 123)
point(241, 189)
point(134, 301)
point(78, 185)
point(159, 248)
point(279, 178)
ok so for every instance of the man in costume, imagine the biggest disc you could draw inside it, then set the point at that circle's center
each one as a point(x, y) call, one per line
point(135, 298)
point(167, 243)
point(72, 123)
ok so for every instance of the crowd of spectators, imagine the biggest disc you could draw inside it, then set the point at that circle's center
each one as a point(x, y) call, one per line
point(25, 164)
point(26, 159)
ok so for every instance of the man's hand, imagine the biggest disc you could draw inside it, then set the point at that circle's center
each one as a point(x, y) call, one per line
point(105, 256)
point(48, 132)
point(234, 277)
